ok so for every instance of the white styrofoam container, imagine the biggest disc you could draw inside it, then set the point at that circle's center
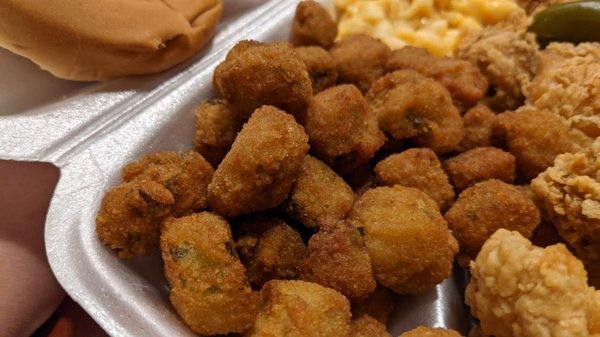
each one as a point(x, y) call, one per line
point(89, 130)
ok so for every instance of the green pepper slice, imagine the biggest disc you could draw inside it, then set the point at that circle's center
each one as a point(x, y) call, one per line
point(574, 22)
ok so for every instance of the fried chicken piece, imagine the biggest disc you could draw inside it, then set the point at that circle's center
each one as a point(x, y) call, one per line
point(256, 74)
point(478, 125)
point(410, 105)
point(519, 290)
point(464, 81)
point(217, 125)
point(408, 240)
point(568, 84)
point(379, 304)
point(535, 137)
point(485, 207)
point(418, 168)
point(321, 67)
point(313, 25)
point(301, 309)
point(318, 194)
point(269, 249)
point(261, 166)
point(360, 59)
point(480, 164)
point(209, 289)
point(430, 332)
point(367, 326)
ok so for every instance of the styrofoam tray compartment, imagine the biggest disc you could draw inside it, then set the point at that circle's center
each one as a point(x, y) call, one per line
point(91, 130)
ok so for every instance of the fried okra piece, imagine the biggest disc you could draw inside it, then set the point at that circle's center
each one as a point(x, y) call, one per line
point(337, 258)
point(418, 168)
point(313, 25)
point(480, 164)
point(360, 59)
point(379, 304)
point(256, 74)
point(430, 332)
point(320, 65)
point(261, 166)
point(269, 248)
point(485, 207)
point(209, 288)
point(185, 175)
point(217, 125)
point(318, 194)
point(408, 240)
point(130, 216)
point(478, 124)
point(367, 326)
point(301, 309)
point(343, 130)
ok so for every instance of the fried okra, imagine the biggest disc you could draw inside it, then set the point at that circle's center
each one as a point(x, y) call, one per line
point(337, 258)
point(478, 124)
point(367, 326)
point(269, 248)
point(217, 125)
point(209, 288)
point(318, 194)
point(379, 304)
point(408, 240)
point(485, 207)
point(430, 332)
point(343, 130)
point(313, 25)
point(301, 309)
point(480, 164)
point(360, 59)
point(256, 74)
point(261, 166)
point(320, 65)
point(418, 168)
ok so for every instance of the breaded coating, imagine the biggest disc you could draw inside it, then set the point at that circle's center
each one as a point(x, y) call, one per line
point(430, 332)
point(379, 304)
point(568, 84)
point(519, 290)
point(464, 81)
point(301, 309)
point(545, 234)
point(185, 175)
point(478, 124)
point(408, 240)
point(318, 194)
point(360, 59)
point(480, 164)
point(269, 249)
point(256, 74)
point(337, 258)
point(485, 207)
point(535, 137)
point(367, 326)
point(343, 130)
point(209, 289)
point(261, 166)
point(217, 125)
point(321, 67)
point(130, 216)
point(410, 105)
point(534, 6)
point(418, 168)
point(313, 25)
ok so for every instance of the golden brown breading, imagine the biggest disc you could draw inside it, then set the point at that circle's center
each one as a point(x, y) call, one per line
point(301, 309)
point(343, 130)
point(418, 168)
point(430, 332)
point(318, 194)
point(379, 304)
point(320, 65)
point(269, 248)
point(464, 81)
point(256, 74)
point(478, 124)
point(408, 240)
point(410, 105)
point(130, 216)
point(479, 164)
point(534, 6)
point(209, 289)
point(337, 258)
point(367, 326)
point(313, 25)
point(261, 166)
point(361, 60)
point(217, 125)
point(485, 207)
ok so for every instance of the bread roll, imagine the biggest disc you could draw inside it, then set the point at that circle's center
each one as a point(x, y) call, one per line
point(102, 39)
